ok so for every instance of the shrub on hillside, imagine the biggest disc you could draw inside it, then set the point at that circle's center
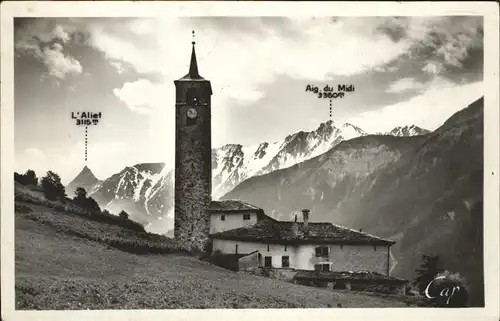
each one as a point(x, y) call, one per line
point(429, 268)
point(31, 178)
point(28, 178)
point(116, 220)
point(88, 203)
point(20, 208)
point(80, 196)
point(52, 187)
point(92, 205)
point(123, 215)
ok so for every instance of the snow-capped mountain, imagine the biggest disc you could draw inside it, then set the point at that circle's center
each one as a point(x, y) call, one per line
point(408, 131)
point(146, 191)
point(234, 163)
point(85, 179)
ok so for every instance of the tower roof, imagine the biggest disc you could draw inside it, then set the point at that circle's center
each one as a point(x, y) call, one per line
point(193, 67)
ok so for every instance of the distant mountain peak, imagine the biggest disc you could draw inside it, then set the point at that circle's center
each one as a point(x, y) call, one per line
point(86, 173)
point(85, 179)
point(409, 130)
point(87, 170)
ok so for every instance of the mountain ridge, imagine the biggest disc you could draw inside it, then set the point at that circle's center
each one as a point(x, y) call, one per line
point(145, 190)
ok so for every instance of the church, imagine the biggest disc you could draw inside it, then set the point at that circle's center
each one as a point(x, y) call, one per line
point(299, 249)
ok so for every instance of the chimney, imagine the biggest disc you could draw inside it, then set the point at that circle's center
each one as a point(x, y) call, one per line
point(295, 228)
point(305, 213)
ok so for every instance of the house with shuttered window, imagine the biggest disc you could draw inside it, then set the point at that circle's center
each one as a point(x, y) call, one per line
point(299, 245)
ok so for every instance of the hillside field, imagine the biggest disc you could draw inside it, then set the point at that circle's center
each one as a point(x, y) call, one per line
point(64, 262)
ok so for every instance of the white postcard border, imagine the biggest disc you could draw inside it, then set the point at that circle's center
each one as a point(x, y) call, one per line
point(489, 10)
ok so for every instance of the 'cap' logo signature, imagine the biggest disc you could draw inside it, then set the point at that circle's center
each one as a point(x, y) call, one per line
point(446, 292)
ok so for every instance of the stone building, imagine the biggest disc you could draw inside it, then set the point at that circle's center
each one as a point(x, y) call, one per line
point(314, 253)
point(307, 246)
point(193, 158)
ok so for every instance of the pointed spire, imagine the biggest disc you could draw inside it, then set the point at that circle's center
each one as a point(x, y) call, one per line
point(193, 67)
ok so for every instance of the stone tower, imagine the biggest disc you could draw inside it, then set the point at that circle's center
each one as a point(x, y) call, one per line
point(193, 158)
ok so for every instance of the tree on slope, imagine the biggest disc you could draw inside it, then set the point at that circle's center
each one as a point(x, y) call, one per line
point(30, 178)
point(52, 187)
point(429, 269)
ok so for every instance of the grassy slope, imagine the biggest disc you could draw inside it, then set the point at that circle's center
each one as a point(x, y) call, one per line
point(58, 269)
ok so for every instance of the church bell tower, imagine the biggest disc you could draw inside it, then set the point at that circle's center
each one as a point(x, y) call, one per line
point(193, 158)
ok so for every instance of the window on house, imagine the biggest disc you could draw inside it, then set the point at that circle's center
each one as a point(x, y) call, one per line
point(322, 251)
point(223, 217)
point(236, 249)
point(285, 247)
point(246, 217)
point(374, 247)
point(322, 267)
point(268, 247)
point(268, 261)
point(285, 261)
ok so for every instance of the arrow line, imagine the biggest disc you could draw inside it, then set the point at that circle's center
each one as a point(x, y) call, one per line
point(85, 143)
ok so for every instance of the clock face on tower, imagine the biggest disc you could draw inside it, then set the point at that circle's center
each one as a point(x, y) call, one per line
point(192, 113)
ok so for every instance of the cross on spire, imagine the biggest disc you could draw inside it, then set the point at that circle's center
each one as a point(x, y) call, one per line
point(193, 73)
point(193, 67)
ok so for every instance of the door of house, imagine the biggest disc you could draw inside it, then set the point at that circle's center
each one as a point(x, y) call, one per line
point(268, 261)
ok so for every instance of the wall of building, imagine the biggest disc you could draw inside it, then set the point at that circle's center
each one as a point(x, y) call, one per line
point(232, 221)
point(345, 258)
point(275, 251)
point(249, 262)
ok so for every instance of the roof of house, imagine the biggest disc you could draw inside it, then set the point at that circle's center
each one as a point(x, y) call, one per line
point(272, 231)
point(232, 206)
point(347, 276)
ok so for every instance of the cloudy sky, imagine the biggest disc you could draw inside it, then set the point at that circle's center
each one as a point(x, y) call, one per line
point(405, 70)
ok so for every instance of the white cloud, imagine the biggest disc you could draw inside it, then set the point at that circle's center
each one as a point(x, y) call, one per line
point(58, 63)
point(35, 41)
point(119, 66)
point(35, 154)
point(429, 110)
point(143, 97)
point(59, 33)
point(404, 84)
point(239, 65)
point(433, 67)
